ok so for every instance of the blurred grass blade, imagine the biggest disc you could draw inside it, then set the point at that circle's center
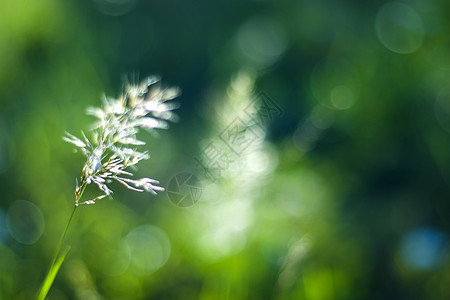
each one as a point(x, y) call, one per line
point(48, 281)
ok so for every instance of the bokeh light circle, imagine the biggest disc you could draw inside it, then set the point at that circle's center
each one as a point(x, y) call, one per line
point(261, 42)
point(25, 222)
point(148, 247)
point(335, 82)
point(423, 249)
point(399, 28)
point(342, 97)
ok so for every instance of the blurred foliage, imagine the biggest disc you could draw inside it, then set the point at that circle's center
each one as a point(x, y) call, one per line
point(346, 197)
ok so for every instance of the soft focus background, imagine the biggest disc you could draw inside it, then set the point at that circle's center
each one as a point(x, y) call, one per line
point(341, 193)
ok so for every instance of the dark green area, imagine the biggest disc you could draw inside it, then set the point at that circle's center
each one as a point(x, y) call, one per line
point(346, 198)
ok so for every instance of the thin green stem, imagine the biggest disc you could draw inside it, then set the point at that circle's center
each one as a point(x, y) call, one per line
point(83, 187)
point(58, 259)
point(61, 240)
point(56, 262)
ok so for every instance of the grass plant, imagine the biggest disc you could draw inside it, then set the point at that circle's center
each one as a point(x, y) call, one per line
point(111, 152)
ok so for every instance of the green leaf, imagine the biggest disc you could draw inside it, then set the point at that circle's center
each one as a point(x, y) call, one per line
point(48, 281)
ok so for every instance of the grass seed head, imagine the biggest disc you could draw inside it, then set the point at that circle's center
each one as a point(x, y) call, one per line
point(113, 148)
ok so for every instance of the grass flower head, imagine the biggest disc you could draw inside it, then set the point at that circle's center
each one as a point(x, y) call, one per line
point(112, 151)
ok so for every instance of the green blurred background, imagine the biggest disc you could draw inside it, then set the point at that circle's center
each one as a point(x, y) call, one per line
point(344, 195)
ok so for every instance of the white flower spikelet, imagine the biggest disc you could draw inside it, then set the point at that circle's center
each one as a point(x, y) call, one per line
point(113, 148)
